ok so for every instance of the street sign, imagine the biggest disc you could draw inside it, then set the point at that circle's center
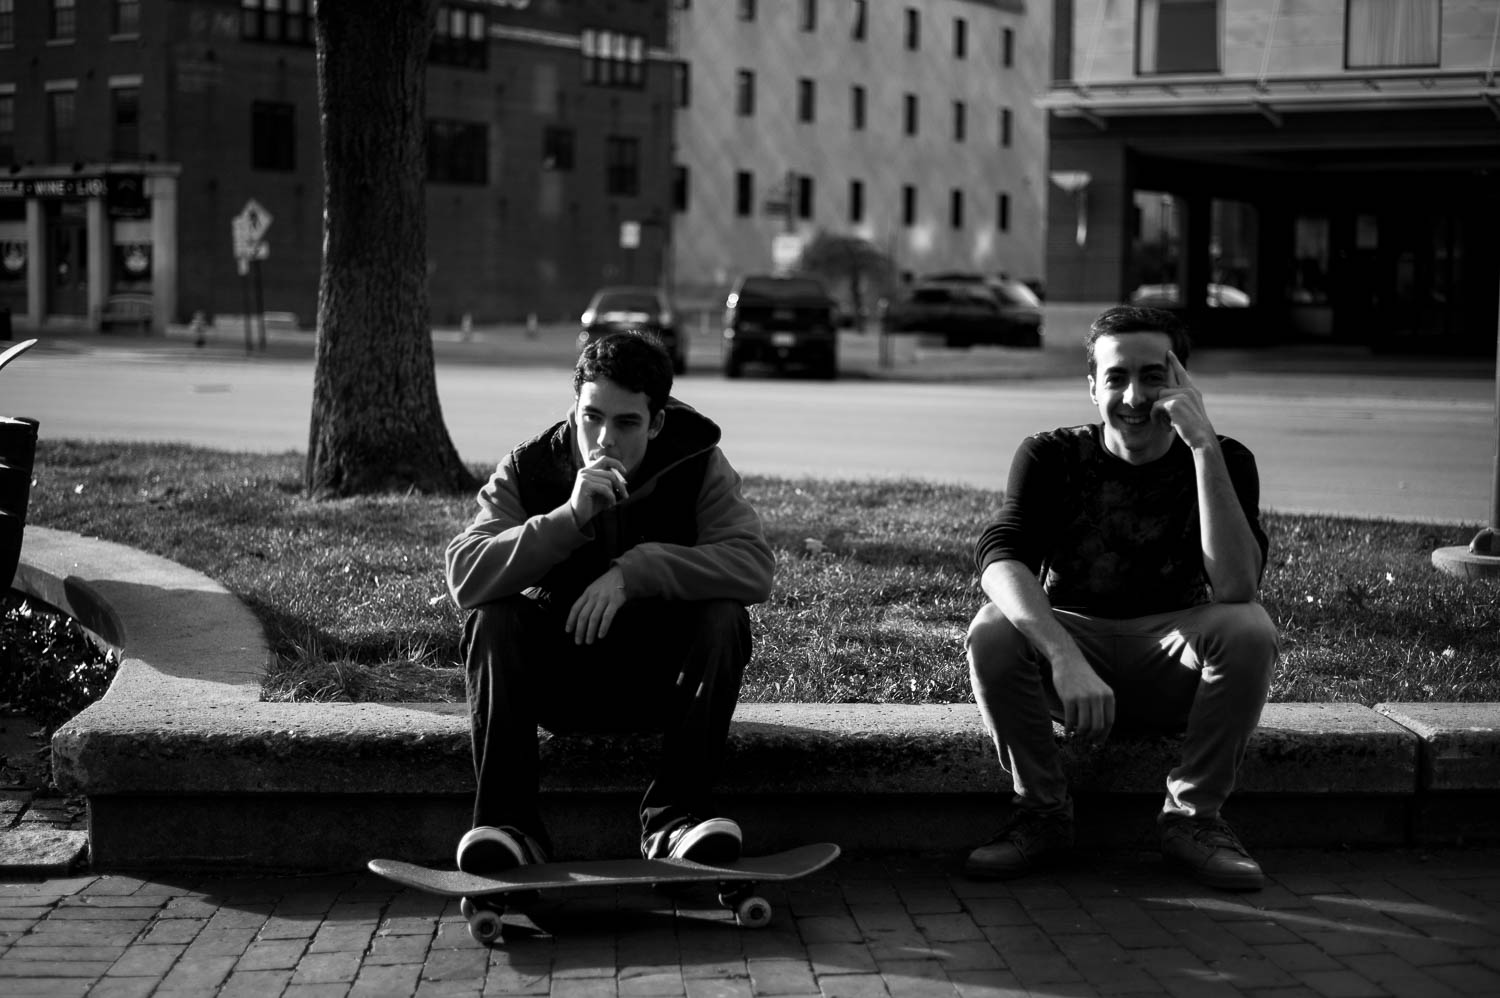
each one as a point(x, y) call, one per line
point(249, 231)
point(630, 235)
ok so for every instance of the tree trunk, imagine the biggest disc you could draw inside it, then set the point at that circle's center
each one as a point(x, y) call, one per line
point(377, 425)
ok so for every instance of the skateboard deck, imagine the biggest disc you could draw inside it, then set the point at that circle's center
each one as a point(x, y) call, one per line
point(484, 896)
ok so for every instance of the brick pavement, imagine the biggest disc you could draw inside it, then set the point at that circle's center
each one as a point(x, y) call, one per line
point(1330, 924)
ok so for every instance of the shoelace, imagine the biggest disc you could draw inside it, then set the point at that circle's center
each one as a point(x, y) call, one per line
point(1217, 834)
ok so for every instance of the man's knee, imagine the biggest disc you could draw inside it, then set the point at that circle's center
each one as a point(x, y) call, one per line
point(1244, 636)
point(491, 625)
point(722, 624)
point(994, 645)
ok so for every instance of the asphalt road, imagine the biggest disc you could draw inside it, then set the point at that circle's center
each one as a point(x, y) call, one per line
point(1397, 445)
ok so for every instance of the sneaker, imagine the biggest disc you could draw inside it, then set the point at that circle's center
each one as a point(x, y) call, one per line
point(487, 850)
point(1208, 849)
point(1026, 842)
point(715, 841)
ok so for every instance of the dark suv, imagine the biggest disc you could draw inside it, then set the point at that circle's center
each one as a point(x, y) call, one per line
point(781, 321)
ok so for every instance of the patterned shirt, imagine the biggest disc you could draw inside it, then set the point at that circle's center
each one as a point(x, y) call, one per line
point(1105, 537)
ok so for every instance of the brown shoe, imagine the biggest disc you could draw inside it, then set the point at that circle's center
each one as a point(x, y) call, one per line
point(1026, 842)
point(1208, 850)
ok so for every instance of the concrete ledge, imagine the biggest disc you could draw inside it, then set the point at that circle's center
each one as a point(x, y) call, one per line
point(183, 765)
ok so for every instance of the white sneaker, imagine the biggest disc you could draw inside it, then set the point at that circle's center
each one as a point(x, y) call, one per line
point(488, 850)
point(715, 841)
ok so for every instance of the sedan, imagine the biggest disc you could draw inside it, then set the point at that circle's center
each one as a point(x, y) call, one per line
point(966, 313)
point(632, 309)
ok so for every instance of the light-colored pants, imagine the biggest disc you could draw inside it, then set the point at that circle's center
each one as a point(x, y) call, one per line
point(1202, 672)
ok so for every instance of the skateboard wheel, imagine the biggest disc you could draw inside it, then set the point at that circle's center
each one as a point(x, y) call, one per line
point(753, 913)
point(485, 926)
point(466, 908)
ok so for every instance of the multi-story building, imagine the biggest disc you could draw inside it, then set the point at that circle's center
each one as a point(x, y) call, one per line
point(1283, 170)
point(911, 125)
point(132, 133)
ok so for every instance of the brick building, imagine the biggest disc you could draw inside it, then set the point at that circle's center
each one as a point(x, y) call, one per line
point(1307, 170)
point(132, 132)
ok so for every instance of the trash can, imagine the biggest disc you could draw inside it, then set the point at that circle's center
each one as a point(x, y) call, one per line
point(17, 451)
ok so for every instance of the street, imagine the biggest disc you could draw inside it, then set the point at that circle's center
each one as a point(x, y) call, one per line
point(1402, 447)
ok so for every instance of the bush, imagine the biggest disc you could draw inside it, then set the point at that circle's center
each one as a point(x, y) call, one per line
point(50, 668)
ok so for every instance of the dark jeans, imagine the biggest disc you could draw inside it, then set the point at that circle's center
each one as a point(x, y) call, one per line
point(667, 665)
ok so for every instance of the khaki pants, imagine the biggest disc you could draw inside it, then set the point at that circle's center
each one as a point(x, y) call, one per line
point(1203, 672)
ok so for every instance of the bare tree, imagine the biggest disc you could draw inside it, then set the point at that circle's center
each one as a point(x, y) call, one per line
point(852, 262)
point(377, 425)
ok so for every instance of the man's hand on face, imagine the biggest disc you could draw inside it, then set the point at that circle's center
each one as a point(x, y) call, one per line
point(600, 485)
point(593, 612)
point(1088, 702)
point(1181, 404)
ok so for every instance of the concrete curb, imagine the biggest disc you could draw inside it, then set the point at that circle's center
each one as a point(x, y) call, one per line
point(184, 765)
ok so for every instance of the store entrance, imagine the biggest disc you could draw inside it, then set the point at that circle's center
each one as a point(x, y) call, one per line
point(67, 258)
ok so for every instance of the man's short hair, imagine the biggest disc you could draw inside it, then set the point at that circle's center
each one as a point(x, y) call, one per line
point(634, 362)
point(1139, 319)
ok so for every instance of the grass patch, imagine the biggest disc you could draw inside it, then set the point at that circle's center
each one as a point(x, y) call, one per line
point(874, 583)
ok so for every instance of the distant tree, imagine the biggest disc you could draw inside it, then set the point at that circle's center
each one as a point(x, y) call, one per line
point(851, 261)
point(376, 423)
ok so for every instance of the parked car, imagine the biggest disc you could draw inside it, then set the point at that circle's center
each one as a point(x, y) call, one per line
point(633, 309)
point(1169, 295)
point(968, 310)
point(783, 321)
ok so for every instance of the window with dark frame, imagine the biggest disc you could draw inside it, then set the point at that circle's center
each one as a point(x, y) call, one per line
point(857, 108)
point(956, 209)
point(856, 202)
point(679, 188)
point(557, 149)
point(1177, 36)
point(859, 30)
point(460, 37)
point(613, 59)
point(1005, 127)
point(913, 29)
point(127, 17)
point(1388, 34)
point(62, 125)
point(1007, 47)
point(960, 38)
point(909, 114)
point(282, 22)
point(273, 136)
point(744, 93)
point(807, 100)
point(1002, 213)
point(63, 24)
point(682, 83)
point(809, 19)
point(804, 197)
point(457, 152)
point(7, 22)
point(960, 121)
point(622, 166)
point(908, 205)
point(125, 132)
point(7, 127)
point(745, 10)
point(744, 193)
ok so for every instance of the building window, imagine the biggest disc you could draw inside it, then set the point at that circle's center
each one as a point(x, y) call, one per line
point(744, 93)
point(1178, 36)
point(856, 202)
point(960, 38)
point(64, 22)
point(913, 29)
point(125, 136)
point(273, 136)
point(557, 149)
point(1002, 213)
point(127, 17)
point(1007, 47)
point(807, 100)
point(809, 19)
point(908, 205)
point(960, 121)
point(7, 22)
point(679, 188)
point(956, 209)
point(746, 10)
point(857, 108)
point(804, 196)
point(457, 152)
point(1005, 126)
point(861, 26)
point(281, 21)
point(744, 193)
point(1381, 34)
point(909, 114)
point(622, 166)
point(614, 59)
point(8, 128)
point(682, 83)
point(460, 38)
point(61, 126)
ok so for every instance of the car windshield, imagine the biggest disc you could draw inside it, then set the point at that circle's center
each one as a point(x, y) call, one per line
point(1016, 293)
point(627, 301)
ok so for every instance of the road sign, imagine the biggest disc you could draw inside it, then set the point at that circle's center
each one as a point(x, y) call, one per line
point(249, 231)
point(630, 235)
point(257, 219)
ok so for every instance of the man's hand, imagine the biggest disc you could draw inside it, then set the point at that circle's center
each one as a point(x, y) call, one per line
point(1181, 404)
point(600, 485)
point(1088, 702)
point(592, 613)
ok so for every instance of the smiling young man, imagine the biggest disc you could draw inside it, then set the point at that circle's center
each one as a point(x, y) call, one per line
point(1121, 577)
point(606, 578)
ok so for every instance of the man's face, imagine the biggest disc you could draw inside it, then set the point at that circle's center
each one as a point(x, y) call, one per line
point(614, 422)
point(1130, 372)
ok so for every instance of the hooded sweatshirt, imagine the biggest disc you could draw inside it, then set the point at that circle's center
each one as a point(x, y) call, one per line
point(684, 532)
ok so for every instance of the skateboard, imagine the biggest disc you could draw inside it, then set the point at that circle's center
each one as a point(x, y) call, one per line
point(483, 897)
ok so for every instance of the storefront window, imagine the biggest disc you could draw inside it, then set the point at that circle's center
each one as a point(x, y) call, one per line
point(1311, 254)
point(1233, 239)
point(1156, 250)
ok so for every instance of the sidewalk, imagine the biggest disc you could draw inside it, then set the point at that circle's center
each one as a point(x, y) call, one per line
point(1329, 923)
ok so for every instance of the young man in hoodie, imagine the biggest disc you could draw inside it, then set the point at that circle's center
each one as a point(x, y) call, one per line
point(606, 577)
point(1122, 574)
